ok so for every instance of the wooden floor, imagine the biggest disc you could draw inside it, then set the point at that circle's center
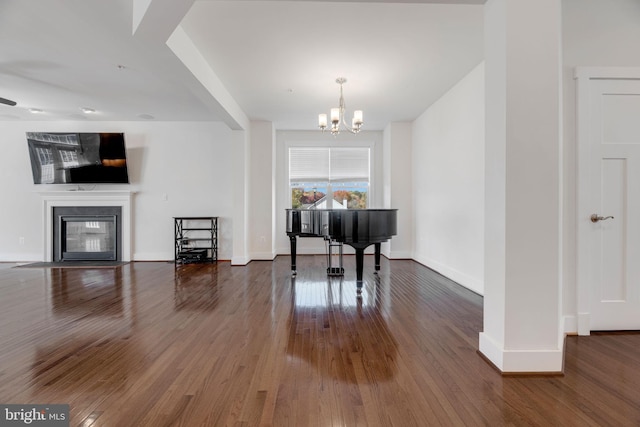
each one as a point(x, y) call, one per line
point(147, 344)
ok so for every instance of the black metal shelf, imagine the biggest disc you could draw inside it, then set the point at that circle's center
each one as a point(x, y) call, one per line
point(196, 239)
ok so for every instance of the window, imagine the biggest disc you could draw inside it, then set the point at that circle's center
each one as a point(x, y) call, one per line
point(45, 157)
point(69, 159)
point(329, 177)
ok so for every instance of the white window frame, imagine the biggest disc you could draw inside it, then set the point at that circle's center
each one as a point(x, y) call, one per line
point(332, 144)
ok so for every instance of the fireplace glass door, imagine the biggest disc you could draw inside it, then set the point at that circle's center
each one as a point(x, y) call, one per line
point(88, 238)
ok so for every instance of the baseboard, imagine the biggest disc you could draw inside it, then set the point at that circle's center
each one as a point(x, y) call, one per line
point(152, 256)
point(399, 255)
point(584, 323)
point(262, 256)
point(570, 325)
point(240, 261)
point(9, 257)
point(548, 362)
point(463, 279)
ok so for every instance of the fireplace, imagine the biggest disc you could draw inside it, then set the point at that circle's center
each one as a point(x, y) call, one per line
point(87, 233)
point(83, 223)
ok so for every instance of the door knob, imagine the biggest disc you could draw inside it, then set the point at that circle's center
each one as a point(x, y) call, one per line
point(596, 218)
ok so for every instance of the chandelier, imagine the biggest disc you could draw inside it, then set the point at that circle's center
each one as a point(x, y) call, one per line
point(337, 116)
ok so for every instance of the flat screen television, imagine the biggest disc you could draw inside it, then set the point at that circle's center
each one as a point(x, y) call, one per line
point(77, 158)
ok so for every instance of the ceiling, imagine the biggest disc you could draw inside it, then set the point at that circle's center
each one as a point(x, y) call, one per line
point(278, 60)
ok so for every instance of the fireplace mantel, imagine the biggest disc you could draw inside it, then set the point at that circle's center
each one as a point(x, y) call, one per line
point(51, 199)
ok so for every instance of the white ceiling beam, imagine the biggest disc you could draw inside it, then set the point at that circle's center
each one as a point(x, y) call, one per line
point(221, 100)
point(157, 19)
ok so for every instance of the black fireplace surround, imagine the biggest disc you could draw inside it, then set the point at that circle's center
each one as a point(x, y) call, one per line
point(87, 233)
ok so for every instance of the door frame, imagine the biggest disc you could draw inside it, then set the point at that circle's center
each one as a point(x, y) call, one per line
point(584, 204)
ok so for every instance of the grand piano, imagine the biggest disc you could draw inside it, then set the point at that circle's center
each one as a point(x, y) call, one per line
point(358, 228)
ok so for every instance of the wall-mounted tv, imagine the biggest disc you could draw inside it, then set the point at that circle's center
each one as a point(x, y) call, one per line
point(77, 158)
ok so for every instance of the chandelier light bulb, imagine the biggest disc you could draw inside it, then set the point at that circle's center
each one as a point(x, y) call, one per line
point(357, 117)
point(335, 115)
point(322, 121)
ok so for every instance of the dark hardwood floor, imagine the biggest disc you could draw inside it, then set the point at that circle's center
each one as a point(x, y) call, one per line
point(147, 344)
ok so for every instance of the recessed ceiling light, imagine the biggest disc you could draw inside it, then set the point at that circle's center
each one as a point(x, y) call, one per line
point(87, 110)
point(121, 67)
point(35, 110)
point(146, 116)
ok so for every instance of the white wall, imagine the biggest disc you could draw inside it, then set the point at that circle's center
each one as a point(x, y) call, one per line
point(448, 183)
point(188, 162)
point(598, 33)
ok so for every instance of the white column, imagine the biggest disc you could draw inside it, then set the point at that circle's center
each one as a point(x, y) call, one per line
point(522, 328)
point(240, 182)
point(262, 191)
point(398, 188)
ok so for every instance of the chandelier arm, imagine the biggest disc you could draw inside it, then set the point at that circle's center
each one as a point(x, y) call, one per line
point(347, 127)
point(343, 109)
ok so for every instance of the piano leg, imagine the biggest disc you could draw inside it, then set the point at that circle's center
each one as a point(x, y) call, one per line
point(359, 268)
point(377, 256)
point(359, 265)
point(293, 255)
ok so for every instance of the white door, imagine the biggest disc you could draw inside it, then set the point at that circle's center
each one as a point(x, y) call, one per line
point(609, 217)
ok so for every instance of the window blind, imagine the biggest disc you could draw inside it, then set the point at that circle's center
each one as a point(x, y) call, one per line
point(349, 164)
point(308, 164)
point(328, 164)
